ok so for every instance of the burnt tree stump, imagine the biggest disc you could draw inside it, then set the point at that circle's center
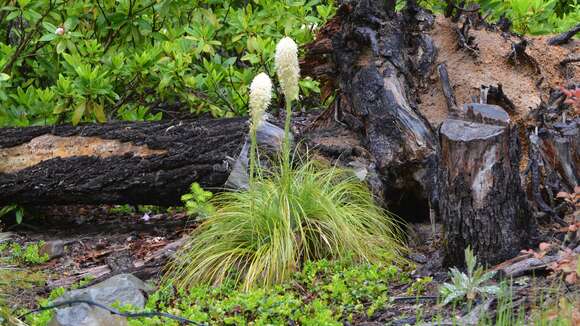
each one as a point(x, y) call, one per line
point(482, 203)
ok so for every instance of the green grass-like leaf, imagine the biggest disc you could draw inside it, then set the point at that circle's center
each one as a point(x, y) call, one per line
point(263, 235)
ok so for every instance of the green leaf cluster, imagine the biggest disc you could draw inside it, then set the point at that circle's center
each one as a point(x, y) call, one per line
point(470, 285)
point(92, 61)
point(23, 255)
point(197, 201)
point(534, 17)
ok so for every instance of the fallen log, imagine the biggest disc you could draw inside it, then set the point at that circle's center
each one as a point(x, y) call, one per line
point(135, 163)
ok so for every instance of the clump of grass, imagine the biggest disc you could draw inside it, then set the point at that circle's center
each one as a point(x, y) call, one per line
point(298, 211)
point(263, 235)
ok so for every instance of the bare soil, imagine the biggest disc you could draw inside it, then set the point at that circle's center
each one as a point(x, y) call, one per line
point(524, 84)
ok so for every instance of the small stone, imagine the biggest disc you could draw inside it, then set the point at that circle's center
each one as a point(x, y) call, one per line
point(125, 289)
point(53, 249)
point(418, 258)
point(6, 236)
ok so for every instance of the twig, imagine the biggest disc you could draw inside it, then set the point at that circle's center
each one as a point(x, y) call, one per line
point(415, 298)
point(569, 60)
point(447, 89)
point(114, 312)
point(564, 37)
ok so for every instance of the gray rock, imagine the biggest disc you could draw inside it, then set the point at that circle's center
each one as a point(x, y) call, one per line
point(53, 249)
point(125, 289)
point(6, 236)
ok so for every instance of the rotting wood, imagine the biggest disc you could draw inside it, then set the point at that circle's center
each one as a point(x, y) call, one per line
point(47, 147)
point(553, 154)
point(447, 89)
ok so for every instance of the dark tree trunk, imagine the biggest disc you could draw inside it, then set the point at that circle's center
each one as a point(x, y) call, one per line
point(375, 60)
point(482, 202)
point(136, 163)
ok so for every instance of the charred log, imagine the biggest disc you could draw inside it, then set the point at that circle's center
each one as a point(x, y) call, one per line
point(447, 88)
point(135, 163)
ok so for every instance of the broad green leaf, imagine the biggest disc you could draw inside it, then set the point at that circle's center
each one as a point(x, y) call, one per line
point(78, 113)
point(99, 113)
point(19, 215)
point(48, 37)
point(49, 27)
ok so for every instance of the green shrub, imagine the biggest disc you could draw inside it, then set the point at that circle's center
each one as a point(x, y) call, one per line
point(73, 61)
point(323, 293)
point(536, 16)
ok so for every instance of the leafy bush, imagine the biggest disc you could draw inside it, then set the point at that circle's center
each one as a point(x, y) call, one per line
point(528, 16)
point(73, 61)
point(536, 16)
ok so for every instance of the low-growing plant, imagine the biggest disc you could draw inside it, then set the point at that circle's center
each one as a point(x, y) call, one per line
point(323, 293)
point(196, 202)
point(470, 285)
point(419, 286)
point(23, 255)
point(17, 210)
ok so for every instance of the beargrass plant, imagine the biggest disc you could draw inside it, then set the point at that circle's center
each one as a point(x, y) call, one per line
point(299, 210)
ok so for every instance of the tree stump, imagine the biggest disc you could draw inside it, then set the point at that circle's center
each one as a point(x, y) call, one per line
point(482, 203)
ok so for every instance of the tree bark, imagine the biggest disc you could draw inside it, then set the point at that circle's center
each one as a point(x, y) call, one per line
point(135, 163)
point(377, 58)
point(482, 202)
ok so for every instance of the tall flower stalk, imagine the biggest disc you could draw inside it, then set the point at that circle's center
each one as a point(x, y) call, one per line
point(288, 71)
point(260, 98)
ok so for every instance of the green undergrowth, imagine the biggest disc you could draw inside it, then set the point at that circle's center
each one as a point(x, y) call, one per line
point(333, 293)
point(323, 293)
point(16, 254)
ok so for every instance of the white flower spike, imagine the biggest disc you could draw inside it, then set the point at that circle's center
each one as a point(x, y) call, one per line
point(260, 97)
point(287, 68)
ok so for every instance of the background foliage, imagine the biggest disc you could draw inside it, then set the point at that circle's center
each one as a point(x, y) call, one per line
point(95, 60)
point(67, 61)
